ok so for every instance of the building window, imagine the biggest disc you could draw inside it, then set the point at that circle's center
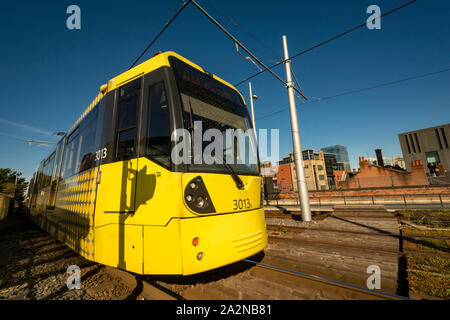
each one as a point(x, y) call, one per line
point(444, 137)
point(306, 166)
point(432, 157)
point(412, 143)
point(432, 161)
point(319, 167)
point(407, 143)
point(438, 138)
point(323, 188)
point(321, 177)
point(417, 142)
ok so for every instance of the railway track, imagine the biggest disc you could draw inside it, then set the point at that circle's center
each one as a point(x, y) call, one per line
point(326, 288)
point(293, 242)
point(143, 287)
point(304, 285)
point(297, 229)
point(325, 260)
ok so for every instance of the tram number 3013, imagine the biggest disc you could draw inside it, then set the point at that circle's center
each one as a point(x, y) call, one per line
point(100, 154)
point(239, 204)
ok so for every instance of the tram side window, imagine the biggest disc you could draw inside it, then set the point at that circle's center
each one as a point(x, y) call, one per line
point(39, 176)
point(43, 176)
point(158, 132)
point(106, 125)
point(88, 130)
point(127, 118)
point(49, 169)
point(56, 167)
point(71, 155)
point(46, 173)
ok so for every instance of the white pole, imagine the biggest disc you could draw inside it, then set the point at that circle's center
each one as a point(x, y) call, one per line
point(252, 110)
point(298, 157)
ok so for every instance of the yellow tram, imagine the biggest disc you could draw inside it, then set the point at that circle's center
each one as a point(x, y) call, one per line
point(110, 191)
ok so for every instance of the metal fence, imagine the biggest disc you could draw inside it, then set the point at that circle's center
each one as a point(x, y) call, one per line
point(367, 182)
point(441, 200)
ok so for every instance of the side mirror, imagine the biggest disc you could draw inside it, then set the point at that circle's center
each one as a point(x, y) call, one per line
point(103, 88)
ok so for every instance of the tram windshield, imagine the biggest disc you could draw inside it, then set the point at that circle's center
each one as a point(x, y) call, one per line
point(209, 104)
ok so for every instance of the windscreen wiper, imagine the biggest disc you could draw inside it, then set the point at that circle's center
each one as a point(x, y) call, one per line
point(237, 180)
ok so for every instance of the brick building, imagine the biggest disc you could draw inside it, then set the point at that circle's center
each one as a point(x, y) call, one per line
point(374, 176)
point(339, 176)
point(284, 177)
point(315, 172)
point(399, 162)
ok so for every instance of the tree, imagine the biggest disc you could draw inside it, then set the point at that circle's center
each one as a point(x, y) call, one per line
point(12, 183)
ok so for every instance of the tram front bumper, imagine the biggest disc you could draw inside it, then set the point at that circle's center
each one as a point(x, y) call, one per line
point(221, 239)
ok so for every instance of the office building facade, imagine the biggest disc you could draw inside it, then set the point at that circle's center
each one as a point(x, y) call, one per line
point(341, 154)
point(431, 146)
point(315, 172)
point(332, 165)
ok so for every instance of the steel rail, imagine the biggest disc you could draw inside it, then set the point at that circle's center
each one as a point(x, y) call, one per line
point(348, 286)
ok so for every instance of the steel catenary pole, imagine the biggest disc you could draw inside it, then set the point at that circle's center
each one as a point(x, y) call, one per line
point(298, 157)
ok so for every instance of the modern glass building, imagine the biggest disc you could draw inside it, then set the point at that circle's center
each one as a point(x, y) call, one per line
point(341, 154)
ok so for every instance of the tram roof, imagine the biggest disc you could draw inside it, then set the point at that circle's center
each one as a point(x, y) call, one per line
point(155, 62)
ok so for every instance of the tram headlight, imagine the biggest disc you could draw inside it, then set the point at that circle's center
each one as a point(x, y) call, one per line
point(200, 202)
point(197, 197)
point(199, 256)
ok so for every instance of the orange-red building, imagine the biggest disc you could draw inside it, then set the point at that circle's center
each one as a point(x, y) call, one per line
point(374, 176)
point(284, 177)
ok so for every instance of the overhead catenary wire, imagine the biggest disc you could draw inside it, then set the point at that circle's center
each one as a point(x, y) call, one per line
point(296, 82)
point(360, 90)
point(161, 32)
point(237, 42)
point(267, 51)
point(323, 43)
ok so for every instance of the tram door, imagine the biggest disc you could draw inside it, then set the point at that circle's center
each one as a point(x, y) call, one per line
point(119, 240)
point(118, 178)
point(155, 146)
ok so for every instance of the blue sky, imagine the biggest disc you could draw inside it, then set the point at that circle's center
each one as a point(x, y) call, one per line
point(49, 74)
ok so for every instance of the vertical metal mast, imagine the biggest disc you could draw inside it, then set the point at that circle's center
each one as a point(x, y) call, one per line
point(253, 112)
point(298, 157)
